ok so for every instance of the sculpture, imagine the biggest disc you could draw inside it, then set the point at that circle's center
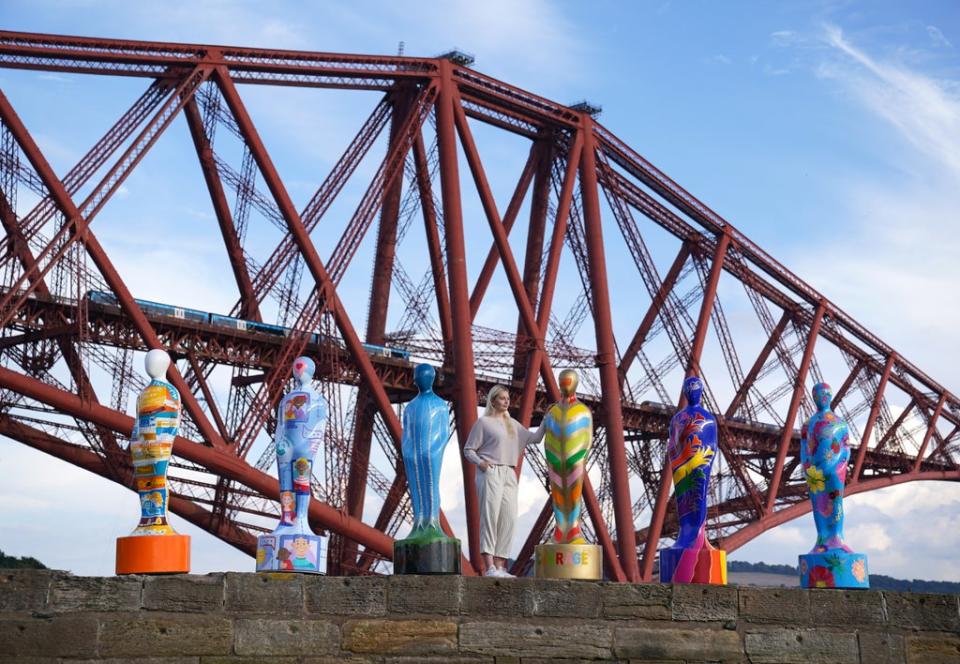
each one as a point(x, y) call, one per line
point(301, 417)
point(692, 450)
point(824, 454)
point(154, 547)
point(569, 435)
point(426, 431)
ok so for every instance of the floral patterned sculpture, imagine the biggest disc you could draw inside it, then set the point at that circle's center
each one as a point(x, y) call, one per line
point(426, 431)
point(692, 450)
point(568, 427)
point(154, 547)
point(824, 454)
point(301, 417)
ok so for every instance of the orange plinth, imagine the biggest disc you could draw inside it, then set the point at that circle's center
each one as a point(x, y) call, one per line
point(159, 554)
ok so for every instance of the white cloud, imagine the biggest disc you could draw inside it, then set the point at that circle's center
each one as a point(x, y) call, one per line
point(783, 37)
point(937, 37)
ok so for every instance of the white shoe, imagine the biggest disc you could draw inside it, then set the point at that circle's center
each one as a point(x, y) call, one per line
point(505, 574)
point(492, 572)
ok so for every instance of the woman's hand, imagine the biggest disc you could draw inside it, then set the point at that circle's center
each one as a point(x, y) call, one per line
point(484, 466)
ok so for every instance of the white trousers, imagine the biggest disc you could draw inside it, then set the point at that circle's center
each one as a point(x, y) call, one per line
point(497, 487)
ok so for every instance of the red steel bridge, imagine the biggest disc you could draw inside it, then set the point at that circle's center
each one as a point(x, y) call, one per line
point(620, 277)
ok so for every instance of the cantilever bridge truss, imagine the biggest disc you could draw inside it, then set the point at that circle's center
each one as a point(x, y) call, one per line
point(597, 261)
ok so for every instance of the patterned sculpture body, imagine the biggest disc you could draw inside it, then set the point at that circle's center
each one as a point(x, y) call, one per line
point(568, 427)
point(824, 454)
point(426, 431)
point(692, 449)
point(154, 546)
point(569, 435)
point(301, 417)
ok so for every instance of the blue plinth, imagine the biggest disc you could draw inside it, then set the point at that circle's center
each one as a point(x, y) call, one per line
point(834, 569)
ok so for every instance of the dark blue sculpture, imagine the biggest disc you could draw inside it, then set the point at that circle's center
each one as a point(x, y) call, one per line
point(426, 431)
point(692, 450)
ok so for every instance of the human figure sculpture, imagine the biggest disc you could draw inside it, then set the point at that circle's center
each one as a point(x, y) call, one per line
point(426, 432)
point(569, 436)
point(692, 449)
point(568, 425)
point(154, 546)
point(824, 454)
point(301, 418)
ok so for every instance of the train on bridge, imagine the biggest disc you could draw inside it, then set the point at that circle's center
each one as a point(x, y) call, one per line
point(219, 320)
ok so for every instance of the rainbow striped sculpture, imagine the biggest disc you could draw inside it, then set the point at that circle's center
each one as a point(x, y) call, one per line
point(568, 426)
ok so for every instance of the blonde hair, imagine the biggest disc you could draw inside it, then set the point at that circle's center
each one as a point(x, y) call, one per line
point(489, 411)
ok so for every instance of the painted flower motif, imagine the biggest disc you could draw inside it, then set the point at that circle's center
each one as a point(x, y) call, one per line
point(842, 473)
point(823, 504)
point(835, 446)
point(803, 567)
point(821, 577)
point(815, 479)
point(859, 570)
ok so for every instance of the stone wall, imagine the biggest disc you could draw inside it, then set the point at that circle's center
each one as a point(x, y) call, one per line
point(50, 617)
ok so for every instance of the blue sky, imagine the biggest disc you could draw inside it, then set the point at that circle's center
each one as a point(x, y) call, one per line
point(828, 132)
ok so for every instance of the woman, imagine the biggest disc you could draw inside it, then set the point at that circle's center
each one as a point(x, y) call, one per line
point(494, 445)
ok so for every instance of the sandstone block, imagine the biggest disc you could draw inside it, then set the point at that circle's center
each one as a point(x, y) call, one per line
point(25, 589)
point(271, 637)
point(775, 605)
point(70, 593)
point(672, 643)
point(65, 636)
point(431, 595)
point(881, 648)
point(481, 596)
point(625, 600)
point(922, 611)
point(276, 594)
point(847, 607)
point(138, 660)
point(585, 640)
point(933, 648)
point(185, 593)
point(801, 646)
point(448, 659)
point(407, 637)
point(350, 596)
point(236, 659)
point(554, 597)
point(704, 602)
point(165, 634)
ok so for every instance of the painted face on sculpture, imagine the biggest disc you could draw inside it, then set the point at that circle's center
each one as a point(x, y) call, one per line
point(822, 396)
point(303, 369)
point(568, 382)
point(301, 547)
point(693, 390)
point(424, 376)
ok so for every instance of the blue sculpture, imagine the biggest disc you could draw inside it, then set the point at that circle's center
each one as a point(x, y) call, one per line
point(426, 431)
point(692, 449)
point(824, 454)
point(301, 418)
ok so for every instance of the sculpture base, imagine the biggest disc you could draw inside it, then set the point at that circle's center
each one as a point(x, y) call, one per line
point(710, 566)
point(153, 554)
point(834, 569)
point(295, 552)
point(569, 561)
point(438, 556)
